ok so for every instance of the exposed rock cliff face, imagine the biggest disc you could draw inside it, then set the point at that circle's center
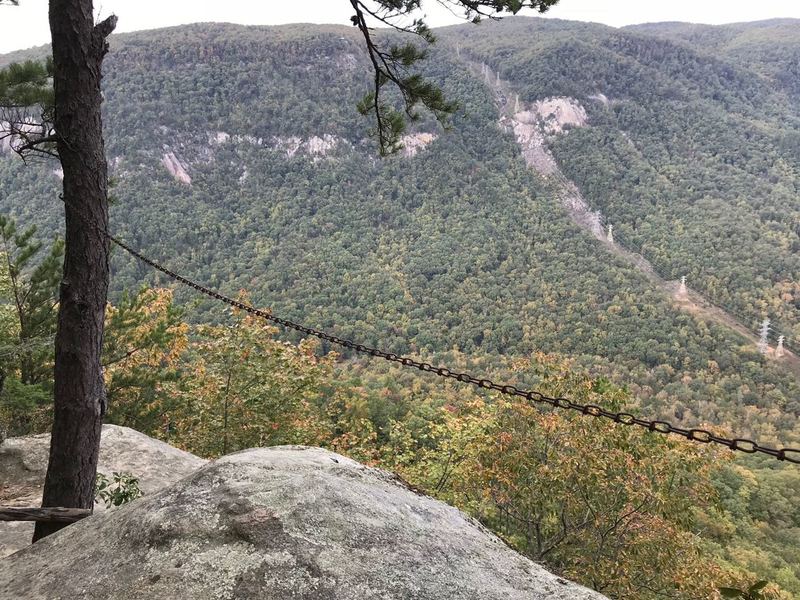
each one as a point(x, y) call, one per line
point(23, 462)
point(414, 142)
point(176, 168)
point(535, 125)
point(278, 523)
point(314, 146)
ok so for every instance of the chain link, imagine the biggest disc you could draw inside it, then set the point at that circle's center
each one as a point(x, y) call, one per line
point(703, 436)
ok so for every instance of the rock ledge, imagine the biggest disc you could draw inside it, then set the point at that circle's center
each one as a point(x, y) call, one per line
point(280, 523)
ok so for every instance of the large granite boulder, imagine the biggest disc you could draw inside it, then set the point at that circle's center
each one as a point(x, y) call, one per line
point(280, 523)
point(23, 463)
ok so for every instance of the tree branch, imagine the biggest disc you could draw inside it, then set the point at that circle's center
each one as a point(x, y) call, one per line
point(101, 31)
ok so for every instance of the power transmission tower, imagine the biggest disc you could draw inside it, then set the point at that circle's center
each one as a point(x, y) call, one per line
point(779, 348)
point(682, 291)
point(763, 344)
point(610, 234)
point(516, 105)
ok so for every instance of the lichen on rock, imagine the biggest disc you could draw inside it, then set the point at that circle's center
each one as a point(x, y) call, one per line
point(23, 463)
point(276, 523)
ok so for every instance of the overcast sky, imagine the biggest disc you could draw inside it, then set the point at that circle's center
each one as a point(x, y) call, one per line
point(26, 25)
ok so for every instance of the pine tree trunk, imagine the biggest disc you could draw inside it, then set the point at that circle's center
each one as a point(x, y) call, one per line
point(80, 403)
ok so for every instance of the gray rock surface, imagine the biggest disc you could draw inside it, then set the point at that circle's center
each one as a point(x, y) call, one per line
point(23, 463)
point(280, 523)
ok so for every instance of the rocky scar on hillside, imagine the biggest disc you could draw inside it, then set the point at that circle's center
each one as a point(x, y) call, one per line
point(313, 148)
point(23, 463)
point(535, 126)
point(276, 523)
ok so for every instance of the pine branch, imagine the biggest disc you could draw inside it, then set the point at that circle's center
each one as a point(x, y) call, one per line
point(391, 65)
point(26, 108)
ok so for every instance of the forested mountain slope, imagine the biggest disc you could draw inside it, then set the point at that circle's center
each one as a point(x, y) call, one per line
point(239, 160)
point(769, 48)
point(683, 144)
point(276, 189)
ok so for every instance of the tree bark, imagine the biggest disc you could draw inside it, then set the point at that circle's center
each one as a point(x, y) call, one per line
point(79, 395)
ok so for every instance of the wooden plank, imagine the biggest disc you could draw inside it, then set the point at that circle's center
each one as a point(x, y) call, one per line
point(49, 514)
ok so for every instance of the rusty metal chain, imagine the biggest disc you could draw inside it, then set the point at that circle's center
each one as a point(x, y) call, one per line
point(703, 436)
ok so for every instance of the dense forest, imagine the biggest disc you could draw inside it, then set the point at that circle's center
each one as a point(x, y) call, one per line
point(239, 160)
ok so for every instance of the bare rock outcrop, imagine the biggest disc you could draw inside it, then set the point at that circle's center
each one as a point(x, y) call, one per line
point(534, 127)
point(23, 463)
point(542, 120)
point(315, 146)
point(414, 142)
point(278, 523)
point(176, 168)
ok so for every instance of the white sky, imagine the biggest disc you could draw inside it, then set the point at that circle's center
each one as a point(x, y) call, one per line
point(26, 25)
